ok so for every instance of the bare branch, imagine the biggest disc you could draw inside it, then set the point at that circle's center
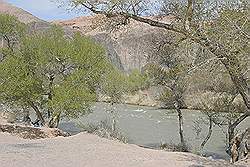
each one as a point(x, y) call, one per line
point(167, 26)
point(189, 14)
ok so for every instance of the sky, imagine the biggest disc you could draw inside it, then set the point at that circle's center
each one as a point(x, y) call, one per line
point(45, 9)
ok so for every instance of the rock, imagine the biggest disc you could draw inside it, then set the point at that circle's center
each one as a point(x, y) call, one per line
point(28, 132)
point(132, 44)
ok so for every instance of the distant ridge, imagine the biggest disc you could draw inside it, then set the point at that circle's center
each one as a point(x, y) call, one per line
point(21, 14)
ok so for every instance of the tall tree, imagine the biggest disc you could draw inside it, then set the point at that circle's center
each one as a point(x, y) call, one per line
point(50, 72)
point(168, 70)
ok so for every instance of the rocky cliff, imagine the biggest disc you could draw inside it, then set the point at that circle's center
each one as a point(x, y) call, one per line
point(133, 43)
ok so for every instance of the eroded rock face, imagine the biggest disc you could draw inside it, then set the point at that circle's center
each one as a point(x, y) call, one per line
point(28, 132)
point(105, 40)
point(132, 43)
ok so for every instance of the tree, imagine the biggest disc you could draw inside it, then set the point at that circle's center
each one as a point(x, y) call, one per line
point(17, 86)
point(167, 70)
point(195, 21)
point(11, 30)
point(137, 81)
point(114, 85)
point(214, 109)
point(51, 73)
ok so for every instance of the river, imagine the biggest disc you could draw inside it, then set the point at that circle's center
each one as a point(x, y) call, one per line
point(149, 126)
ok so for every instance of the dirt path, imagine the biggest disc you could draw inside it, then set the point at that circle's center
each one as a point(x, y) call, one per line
point(86, 150)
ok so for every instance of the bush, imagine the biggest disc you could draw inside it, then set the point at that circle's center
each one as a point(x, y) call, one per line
point(175, 147)
point(104, 129)
point(137, 81)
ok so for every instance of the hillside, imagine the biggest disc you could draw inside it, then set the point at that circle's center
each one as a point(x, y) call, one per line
point(21, 14)
point(34, 23)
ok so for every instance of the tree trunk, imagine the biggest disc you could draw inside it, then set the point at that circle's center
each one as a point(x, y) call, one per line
point(232, 64)
point(26, 116)
point(54, 122)
point(238, 146)
point(50, 95)
point(231, 136)
point(38, 113)
point(230, 132)
point(181, 133)
point(113, 125)
point(209, 133)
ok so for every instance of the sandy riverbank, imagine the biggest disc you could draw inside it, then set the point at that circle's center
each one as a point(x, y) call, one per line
point(86, 150)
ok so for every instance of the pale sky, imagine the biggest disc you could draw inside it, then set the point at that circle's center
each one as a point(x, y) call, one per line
point(45, 9)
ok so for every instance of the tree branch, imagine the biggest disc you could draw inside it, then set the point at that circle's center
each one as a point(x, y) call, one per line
point(189, 15)
point(240, 119)
point(38, 113)
point(134, 17)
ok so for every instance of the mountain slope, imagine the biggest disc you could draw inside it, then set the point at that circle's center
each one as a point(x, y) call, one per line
point(21, 14)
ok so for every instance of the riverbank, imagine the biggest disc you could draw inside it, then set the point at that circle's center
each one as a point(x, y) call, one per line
point(91, 151)
point(192, 101)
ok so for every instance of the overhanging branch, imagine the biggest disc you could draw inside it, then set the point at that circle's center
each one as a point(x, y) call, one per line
point(148, 21)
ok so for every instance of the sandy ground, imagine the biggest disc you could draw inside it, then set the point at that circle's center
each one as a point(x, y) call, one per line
point(86, 150)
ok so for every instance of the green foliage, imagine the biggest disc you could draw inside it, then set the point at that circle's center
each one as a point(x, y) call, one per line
point(137, 81)
point(52, 71)
point(11, 30)
point(231, 29)
point(167, 96)
point(114, 85)
point(10, 25)
point(17, 84)
point(90, 59)
point(72, 99)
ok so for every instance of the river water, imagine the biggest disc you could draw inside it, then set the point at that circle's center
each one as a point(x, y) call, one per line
point(149, 126)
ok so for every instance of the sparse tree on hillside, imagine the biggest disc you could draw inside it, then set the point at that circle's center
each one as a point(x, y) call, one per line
point(11, 30)
point(214, 109)
point(114, 85)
